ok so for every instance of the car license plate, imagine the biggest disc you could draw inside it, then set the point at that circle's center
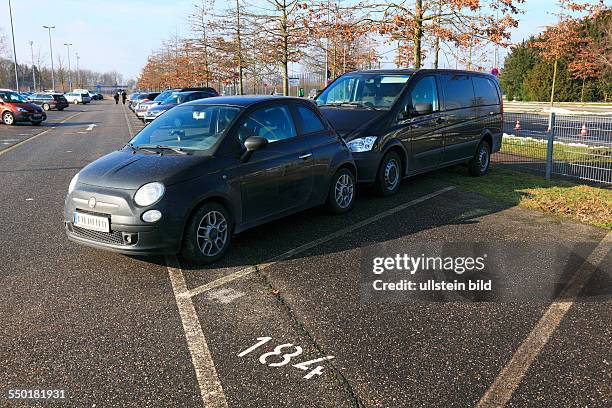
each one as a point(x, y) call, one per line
point(91, 222)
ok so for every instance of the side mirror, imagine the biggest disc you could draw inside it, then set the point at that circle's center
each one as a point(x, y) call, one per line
point(251, 144)
point(423, 108)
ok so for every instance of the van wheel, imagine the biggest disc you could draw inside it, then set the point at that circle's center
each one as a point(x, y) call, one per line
point(207, 235)
point(479, 165)
point(8, 118)
point(389, 175)
point(341, 196)
point(75, 102)
point(46, 106)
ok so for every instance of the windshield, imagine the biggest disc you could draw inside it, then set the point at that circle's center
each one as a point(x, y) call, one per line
point(12, 97)
point(193, 127)
point(162, 96)
point(172, 99)
point(370, 90)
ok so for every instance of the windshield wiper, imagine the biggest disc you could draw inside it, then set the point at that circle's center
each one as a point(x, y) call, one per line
point(161, 147)
point(359, 105)
point(355, 104)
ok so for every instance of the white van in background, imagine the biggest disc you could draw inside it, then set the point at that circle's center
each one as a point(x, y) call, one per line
point(78, 97)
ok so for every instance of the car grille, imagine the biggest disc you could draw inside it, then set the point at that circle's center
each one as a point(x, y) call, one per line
point(113, 237)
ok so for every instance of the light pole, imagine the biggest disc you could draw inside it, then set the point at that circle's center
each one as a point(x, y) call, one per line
point(69, 71)
point(14, 50)
point(51, 48)
point(33, 66)
point(78, 72)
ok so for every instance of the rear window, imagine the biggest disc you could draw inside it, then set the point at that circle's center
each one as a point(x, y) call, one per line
point(486, 91)
point(458, 91)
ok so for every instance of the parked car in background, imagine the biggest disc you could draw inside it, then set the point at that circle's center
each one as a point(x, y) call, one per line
point(175, 98)
point(144, 106)
point(163, 192)
point(49, 101)
point(76, 98)
point(143, 97)
point(131, 97)
point(399, 123)
point(96, 96)
point(15, 108)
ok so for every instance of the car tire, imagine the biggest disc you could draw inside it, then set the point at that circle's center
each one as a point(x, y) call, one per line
point(46, 106)
point(8, 118)
point(389, 175)
point(37, 123)
point(210, 224)
point(479, 165)
point(342, 188)
point(75, 102)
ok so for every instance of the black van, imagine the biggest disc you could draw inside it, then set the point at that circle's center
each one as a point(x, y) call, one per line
point(403, 122)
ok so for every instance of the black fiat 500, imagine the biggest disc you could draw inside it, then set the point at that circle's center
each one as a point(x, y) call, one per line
point(206, 170)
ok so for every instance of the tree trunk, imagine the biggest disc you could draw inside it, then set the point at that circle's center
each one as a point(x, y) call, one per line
point(582, 91)
point(437, 43)
point(239, 50)
point(418, 33)
point(285, 49)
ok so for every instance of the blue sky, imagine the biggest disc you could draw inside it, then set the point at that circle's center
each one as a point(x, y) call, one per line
point(120, 34)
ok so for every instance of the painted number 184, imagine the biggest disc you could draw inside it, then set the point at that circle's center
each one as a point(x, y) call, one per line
point(282, 354)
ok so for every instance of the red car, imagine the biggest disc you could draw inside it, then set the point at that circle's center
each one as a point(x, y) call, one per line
point(15, 108)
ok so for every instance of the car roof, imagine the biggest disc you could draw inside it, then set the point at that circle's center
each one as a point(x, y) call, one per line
point(423, 70)
point(242, 100)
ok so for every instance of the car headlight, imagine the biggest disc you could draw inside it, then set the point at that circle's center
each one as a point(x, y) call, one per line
point(149, 194)
point(73, 183)
point(362, 144)
point(22, 110)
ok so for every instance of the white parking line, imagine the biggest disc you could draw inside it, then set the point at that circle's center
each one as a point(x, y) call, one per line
point(8, 149)
point(243, 272)
point(206, 374)
point(509, 378)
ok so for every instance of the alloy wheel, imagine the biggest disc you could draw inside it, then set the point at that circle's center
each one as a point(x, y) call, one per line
point(8, 118)
point(344, 191)
point(212, 233)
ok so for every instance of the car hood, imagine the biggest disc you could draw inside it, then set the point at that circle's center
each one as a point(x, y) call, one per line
point(349, 122)
point(125, 170)
point(29, 106)
point(163, 107)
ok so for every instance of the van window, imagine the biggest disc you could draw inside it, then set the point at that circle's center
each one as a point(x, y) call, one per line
point(485, 90)
point(458, 91)
point(309, 120)
point(424, 91)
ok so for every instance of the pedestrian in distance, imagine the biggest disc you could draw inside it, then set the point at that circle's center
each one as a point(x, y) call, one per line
point(116, 96)
point(123, 96)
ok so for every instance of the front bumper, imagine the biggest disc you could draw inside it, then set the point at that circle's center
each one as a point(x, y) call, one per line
point(30, 117)
point(128, 233)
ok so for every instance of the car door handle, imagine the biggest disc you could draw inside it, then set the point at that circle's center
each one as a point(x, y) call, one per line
point(305, 156)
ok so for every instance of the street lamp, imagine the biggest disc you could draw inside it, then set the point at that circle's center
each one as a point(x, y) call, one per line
point(14, 50)
point(78, 72)
point(51, 48)
point(69, 71)
point(33, 66)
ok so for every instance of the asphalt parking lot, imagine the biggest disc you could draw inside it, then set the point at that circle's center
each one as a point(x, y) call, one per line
point(113, 330)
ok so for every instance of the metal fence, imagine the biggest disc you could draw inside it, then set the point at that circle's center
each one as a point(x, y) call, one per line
point(577, 146)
